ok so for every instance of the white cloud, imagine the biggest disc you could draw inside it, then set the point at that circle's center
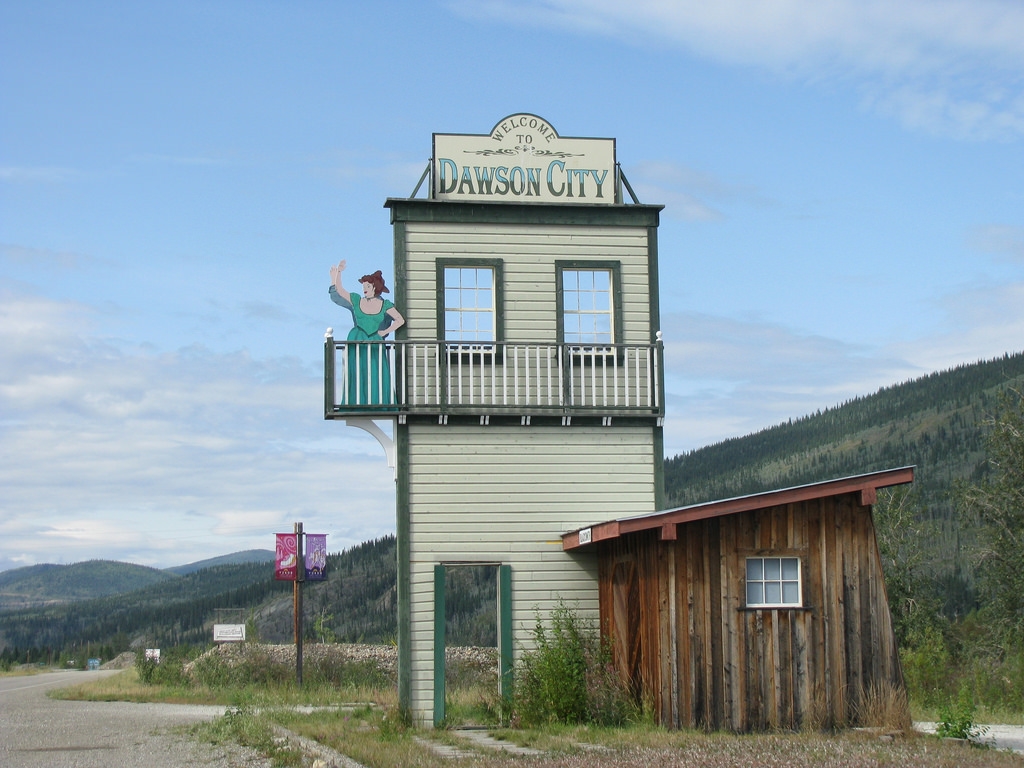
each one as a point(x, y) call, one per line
point(983, 322)
point(43, 257)
point(689, 193)
point(36, 175)
point(113, 451)
point(1000, 240)
point(728, 377)
point(948, 66)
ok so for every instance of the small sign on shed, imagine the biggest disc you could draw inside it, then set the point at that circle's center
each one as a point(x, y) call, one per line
point(229, 633)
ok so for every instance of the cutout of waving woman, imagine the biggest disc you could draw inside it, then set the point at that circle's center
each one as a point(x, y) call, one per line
point(373, 317)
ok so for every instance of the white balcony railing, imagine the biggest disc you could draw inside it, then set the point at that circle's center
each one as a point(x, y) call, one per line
point(451, 378)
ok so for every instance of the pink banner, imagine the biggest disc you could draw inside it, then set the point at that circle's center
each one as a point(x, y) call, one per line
point(316, 556)
point(286, 560)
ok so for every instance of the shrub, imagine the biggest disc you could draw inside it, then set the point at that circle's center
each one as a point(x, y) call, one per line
point(569, 676)
point(334, 671)
point(926, 668)
point(957, 718)
point(169, 670)
point(255, 667)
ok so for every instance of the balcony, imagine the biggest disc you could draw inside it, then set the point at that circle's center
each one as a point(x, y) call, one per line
point(521, 381)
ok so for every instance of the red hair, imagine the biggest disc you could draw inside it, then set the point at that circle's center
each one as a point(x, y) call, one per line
point(377, 281)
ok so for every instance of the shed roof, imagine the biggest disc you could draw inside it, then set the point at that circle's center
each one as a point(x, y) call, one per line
point(866, 485)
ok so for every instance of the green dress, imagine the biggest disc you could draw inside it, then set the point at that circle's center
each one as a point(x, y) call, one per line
point(368, 370)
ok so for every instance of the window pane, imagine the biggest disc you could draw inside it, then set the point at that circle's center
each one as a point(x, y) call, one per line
point(586, 293)
point(755, 593)
point(790, 569)
point(754, 568)
point(772, 593)
point(790, 593)
point(771, 568)
point(469, 304)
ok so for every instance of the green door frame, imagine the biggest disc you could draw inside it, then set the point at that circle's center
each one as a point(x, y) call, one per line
point(504, 609)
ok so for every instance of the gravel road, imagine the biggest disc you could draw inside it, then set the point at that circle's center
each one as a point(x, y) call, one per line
point(38, 732)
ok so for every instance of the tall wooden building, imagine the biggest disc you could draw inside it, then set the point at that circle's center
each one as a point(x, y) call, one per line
point(526, 397)
point(526, 389)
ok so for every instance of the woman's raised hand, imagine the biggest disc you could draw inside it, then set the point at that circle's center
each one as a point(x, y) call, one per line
point(336, 271)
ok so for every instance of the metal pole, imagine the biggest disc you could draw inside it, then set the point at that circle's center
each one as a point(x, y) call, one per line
point(300, 576)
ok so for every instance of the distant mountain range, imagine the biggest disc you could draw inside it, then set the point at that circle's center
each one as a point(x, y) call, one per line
point(49, 583)
point(359, 593)
point(245, 556)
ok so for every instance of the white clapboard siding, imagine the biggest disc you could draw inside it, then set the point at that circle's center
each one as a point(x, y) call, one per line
point(505, 494)
point(528, 253)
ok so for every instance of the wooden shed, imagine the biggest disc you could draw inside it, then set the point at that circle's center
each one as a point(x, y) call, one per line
point(765, 611)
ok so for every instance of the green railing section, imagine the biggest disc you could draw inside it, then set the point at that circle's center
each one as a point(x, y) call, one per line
point(435, 377)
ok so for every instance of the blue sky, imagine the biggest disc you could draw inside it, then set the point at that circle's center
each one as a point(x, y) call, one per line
point(844, 210)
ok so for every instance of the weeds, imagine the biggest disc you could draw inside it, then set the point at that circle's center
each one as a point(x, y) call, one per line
point(241, 725)
point(885, 706)
point(568, 677)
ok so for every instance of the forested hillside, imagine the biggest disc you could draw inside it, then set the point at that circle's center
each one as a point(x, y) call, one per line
point(936, 423)
point(356, 603)
point(173, 611)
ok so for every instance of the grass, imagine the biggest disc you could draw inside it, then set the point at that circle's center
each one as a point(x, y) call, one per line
point(24, 670)
point(127, 686)
point(362, 737)
point(360, 720)
point(986, 715)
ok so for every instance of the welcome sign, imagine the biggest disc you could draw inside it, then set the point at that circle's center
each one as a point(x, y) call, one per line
point(523, 160)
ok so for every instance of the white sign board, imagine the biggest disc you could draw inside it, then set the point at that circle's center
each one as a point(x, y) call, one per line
point(229, 633)
point(523, 160)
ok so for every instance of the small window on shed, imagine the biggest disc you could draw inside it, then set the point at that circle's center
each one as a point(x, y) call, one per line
point(773, 582)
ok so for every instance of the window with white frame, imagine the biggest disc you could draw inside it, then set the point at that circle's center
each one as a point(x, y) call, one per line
point(469, 301)
point(773, 582)
point(587, 303)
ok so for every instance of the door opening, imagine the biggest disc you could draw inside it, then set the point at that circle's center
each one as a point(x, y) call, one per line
point(472, 639)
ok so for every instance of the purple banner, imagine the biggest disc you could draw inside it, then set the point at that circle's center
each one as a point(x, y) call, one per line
point(286, 559)
point(316, 556)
